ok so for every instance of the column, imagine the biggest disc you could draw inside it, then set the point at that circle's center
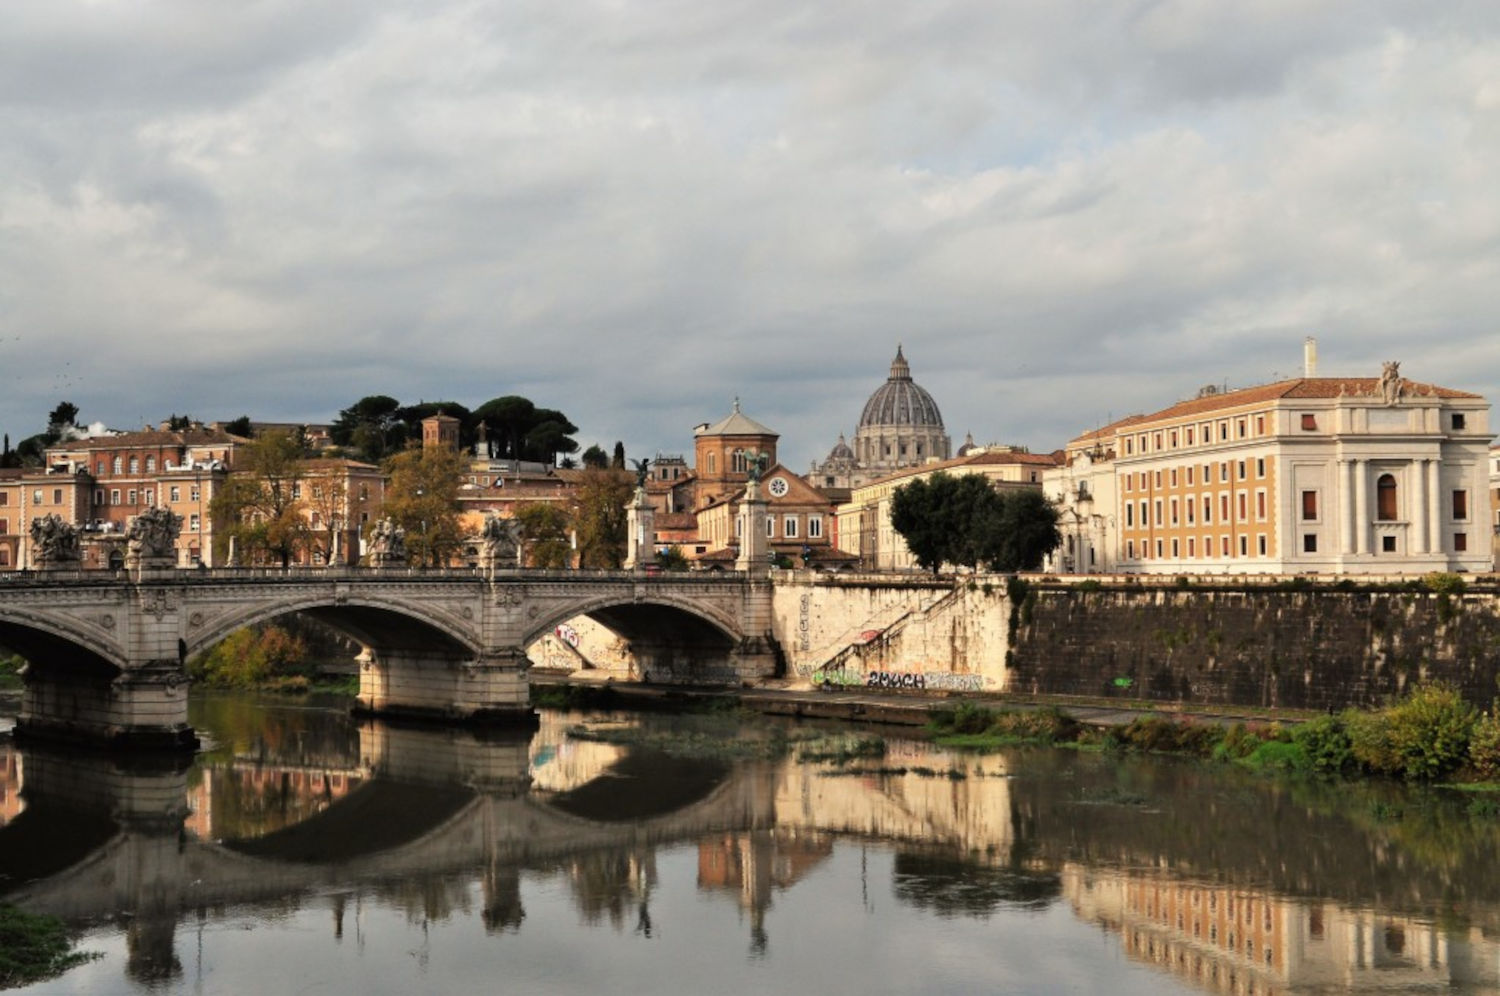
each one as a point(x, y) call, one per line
point(1422, 507)
point(1346, 507)
point(640, 529)
point(1361, 507)
point(1434, 502)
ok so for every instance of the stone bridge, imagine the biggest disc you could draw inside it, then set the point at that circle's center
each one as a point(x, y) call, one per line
point(106, 652)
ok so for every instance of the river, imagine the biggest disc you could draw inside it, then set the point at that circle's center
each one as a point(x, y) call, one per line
point(305, 852)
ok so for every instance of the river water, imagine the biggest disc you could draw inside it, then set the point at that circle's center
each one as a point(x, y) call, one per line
point(305, 852)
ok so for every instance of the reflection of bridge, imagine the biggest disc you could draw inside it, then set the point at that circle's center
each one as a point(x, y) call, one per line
point(108, 653)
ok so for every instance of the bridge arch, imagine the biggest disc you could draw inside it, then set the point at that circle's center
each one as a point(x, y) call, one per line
point(376, 623)
point(621, 605)
point(47, 642)
point(670, 638)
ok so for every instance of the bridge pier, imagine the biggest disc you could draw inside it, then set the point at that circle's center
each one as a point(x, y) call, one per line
point(492, 688)
point(140, 708)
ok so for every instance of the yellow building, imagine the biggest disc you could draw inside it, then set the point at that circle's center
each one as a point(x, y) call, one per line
point(1312, 474)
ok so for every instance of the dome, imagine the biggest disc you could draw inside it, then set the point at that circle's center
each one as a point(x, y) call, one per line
point(899, 401)
point(840, 452)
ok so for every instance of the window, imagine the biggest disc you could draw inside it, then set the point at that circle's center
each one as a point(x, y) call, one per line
point(130, 496)
point(1260, 425)
point(1208, 510)
point(115, 465)
point(1460, 542)
point(1129, 515)
point(1158, 549)
point(1190, 476)
point(174, 493)
point(99, 468)
point(297, 491)
point(1190, 435)
point(4, 497)
point(1240, 470)
point(1158, 511)
point(135, 465)
point(114, 496)
point(1239, 429)
point(1309, 542)
point(150, 464)
point(1460, 505)
point(1129, 446)
point(57, 497)
point(1387, 544)
point(1260, 505)
point(1260, 467)
point(1243, 505)
point(711, 463)
point(1223, 430)
point(1191, 547)
point(814, 526)
point(1244, 546)
point(1156, 478)
point(1174, 439)
point(1190, 506)
point(1224, 546)
point(770, 525)
point(98, 497)
point(1223, 508)
point(1261, 541)
point(193, 523)
point(1385, 500)
point(1174, 511)
point(194, 494)
point(36, 496)
point(4, 526)
point(1224, 472)
point(1175, 549)
point(1309, 505)
point(1156, 441)
point(1458, 421)
point(1130, 549)
point(789, 527)
point(1128, 482)
point(148, 497)
point(1309, 422)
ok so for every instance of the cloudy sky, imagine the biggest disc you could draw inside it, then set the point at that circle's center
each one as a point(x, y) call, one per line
point(637, 210)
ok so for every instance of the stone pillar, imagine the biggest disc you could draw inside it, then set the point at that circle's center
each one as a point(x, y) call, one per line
point(640, 528)
point(1435, 502)
point(1346, 507)
point(1421, 509)
point(143, 707)
point(754, 555)
point(1361, 507)
point(492, 688)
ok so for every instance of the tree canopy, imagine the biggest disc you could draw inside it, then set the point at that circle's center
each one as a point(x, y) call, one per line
point(260, 505)
point(544, 534)
point(966, 521)
point(421, 496)
point(600, 518)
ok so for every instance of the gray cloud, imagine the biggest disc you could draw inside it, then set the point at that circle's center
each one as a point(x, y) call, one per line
point(635, 213)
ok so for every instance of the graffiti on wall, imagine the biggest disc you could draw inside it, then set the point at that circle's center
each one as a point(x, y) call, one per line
point(567, 634)
point(944, 681)
point(802, 634)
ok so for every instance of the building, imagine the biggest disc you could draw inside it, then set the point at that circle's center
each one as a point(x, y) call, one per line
point(722, 452)
point(899, 427)
point(1311, 474)
point(1495, 504)
point(799, 521)
point(864, 522)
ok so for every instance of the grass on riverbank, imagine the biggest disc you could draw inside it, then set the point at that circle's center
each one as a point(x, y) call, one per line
point(33, 948)
point(1429, 735)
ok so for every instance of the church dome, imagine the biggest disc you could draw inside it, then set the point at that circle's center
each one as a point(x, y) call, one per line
point(841, 452)
point(900, 401)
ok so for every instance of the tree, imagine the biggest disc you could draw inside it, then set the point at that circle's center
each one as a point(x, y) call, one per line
point(62, 417)
point(326, 500)
point(421, 496)
point(600, 518)
point(618, 460)
point(522, 431)
point(370, 427)
point(968, 522)
point(412, 415)
point(594, 458)
point(239, 427)
point(261, 504)
point(544, 534)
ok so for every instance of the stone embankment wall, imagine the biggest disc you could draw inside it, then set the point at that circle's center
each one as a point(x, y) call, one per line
point(906, 632)
point(1290, 645)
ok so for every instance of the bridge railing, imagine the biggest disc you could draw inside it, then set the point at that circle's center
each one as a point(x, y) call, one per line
point(191, 575)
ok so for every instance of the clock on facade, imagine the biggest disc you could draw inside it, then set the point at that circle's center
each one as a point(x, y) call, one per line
point(779, 487)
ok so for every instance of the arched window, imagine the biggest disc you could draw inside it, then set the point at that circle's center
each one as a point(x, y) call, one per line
point(739, 464)
point(1385, 498)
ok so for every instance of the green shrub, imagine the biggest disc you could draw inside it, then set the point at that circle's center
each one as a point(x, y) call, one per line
point(1484, 746)
point(1325, 743)
point(1239, 742)
point(1442, 583)
point(249, 657)
point(1422, 737)
point(1279, 754)
point(1154, 733)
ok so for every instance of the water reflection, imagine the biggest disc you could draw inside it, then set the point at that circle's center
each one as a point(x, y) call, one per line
point(1210, 880)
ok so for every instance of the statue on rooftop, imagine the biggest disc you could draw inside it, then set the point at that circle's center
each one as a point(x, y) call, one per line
point(1390, 382)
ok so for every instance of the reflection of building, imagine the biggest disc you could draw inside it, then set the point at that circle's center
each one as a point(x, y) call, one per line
point(10, 784)
point(1234, 941)
point(755, 865)
point(1495, 502)
point(244, 799)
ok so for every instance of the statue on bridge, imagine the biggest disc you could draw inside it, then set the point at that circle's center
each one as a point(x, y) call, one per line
point(387, 544)
point(499, 543)
point(152, 538)
point(54, 542)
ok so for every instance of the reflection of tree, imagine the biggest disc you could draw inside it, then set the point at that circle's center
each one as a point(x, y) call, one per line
point(952, 887)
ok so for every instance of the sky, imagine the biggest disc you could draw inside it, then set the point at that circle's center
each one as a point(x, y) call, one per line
point(636, 211)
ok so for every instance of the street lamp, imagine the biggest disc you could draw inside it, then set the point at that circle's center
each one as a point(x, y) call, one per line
point(426, 553)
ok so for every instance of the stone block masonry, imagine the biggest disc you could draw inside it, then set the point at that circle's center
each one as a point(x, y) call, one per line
point(1289, 645)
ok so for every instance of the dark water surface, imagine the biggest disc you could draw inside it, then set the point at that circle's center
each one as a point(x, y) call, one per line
point(307, 853)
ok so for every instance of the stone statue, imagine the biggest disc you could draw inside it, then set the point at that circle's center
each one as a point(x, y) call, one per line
point(54, 541)
point(755, 465)
point(387, 542)
point(499, 541)
point(642, 471)
point(153, 534)
point(1390, 382)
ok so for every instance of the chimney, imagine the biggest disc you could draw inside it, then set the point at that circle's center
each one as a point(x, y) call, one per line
point(1309, 357)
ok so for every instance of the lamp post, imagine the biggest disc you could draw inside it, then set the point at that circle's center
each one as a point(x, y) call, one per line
point(421, 511)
